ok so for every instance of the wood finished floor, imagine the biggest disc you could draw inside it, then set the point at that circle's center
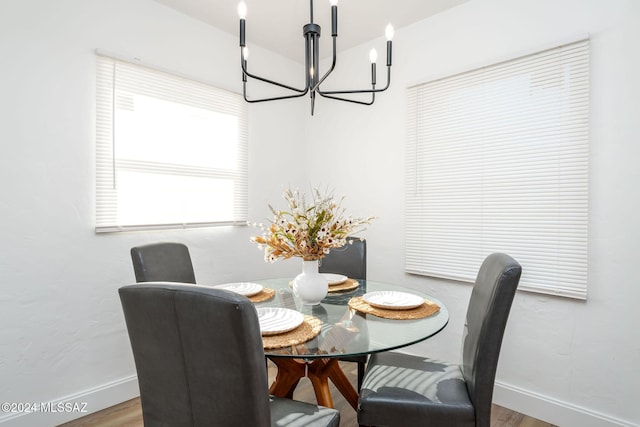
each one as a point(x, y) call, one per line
point(130, 413)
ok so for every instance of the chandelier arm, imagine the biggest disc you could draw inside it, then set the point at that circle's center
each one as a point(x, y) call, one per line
point(244, 93)
point(354, 101)
point(342, 92)
point(333, 65)
point(265, 80)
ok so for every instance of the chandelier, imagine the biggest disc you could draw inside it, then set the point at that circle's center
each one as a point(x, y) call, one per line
point(311, 33)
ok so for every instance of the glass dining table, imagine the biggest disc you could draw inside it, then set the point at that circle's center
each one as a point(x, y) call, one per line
point(343, 332)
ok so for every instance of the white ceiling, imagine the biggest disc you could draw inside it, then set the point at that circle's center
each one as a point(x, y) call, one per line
point(277, 24)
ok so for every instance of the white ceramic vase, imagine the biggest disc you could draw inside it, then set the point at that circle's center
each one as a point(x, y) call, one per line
point(310, 286)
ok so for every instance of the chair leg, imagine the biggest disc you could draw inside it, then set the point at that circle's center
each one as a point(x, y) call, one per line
point(361, 367)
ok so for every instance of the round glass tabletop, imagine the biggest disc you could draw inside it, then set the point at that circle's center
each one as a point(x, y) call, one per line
point(347, 332)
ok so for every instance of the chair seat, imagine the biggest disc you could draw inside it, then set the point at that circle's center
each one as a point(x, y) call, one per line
point(405, 390)
point(287, 412)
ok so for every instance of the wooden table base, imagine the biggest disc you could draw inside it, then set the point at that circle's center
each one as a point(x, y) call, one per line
point(319, 371)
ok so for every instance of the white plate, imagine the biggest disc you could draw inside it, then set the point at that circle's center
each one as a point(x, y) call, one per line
point(393, 300)
point(334, 279)
point(243, 288)
point(276, 320)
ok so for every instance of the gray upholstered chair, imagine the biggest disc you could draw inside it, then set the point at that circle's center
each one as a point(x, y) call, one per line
point(351, 261)
point(167, 262)
point(192, 372)
point(404, 390)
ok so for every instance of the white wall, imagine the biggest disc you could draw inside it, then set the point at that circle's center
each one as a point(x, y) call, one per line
point(62, 331)
point(572, 363)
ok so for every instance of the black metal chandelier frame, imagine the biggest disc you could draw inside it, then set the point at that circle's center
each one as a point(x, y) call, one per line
point(311, 33)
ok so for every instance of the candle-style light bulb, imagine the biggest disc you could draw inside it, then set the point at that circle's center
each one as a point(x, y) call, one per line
point(242, 10)
point(373, 56)
point(242, 13)
point(334, 17)
point(388, 32)
point(245, 53)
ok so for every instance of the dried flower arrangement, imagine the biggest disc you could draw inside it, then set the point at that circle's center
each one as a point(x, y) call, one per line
point(308, 231)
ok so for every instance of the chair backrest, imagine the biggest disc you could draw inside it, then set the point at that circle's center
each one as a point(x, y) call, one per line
point(163, 262)
point(349, 260)
point(486, 320)
point(190, 370)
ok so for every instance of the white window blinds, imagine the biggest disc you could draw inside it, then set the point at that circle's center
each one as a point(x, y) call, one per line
point(497, 161)
point(170, 152)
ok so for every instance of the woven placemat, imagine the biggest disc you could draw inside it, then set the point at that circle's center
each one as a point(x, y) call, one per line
point(309, 328)
point(264, 295)
point(425, 310)
point(347, 285)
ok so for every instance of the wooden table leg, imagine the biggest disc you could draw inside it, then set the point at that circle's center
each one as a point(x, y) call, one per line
point(319, 371)
point(289, 373)
point(342, 383)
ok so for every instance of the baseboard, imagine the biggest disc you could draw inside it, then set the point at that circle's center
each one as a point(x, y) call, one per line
point(77, 405)
point(536, 405)
point(553, 411)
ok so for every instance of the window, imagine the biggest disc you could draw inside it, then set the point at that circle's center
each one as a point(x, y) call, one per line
point(170, 152)
point(497, 161)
